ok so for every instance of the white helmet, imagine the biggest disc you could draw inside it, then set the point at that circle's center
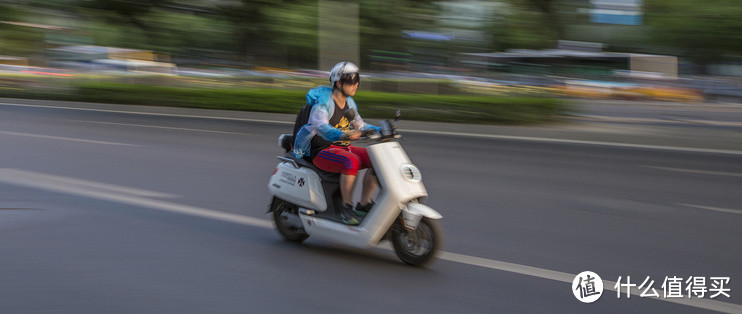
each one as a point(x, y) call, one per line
point(344, 71)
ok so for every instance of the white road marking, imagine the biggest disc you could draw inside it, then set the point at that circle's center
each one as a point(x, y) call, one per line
point(460, 134)
point(163, 127)
point(707, 304)
point(47, 180)
point(581, 142)
point(720, 173)
point(718, 209)
point(151, 113)
point(656, 120)
point(31, 180)
point(34, 180)
point(60, 138)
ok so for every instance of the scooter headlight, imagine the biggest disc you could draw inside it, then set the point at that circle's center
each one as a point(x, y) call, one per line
point(411, 173)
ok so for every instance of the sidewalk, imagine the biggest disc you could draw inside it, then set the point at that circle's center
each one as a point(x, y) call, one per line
point(570, 131)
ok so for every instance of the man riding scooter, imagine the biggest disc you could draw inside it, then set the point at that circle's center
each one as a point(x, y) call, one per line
point(325, 139)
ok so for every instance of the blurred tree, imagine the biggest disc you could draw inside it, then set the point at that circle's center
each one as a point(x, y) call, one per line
point(382, 23)
point(521, 29)
point(17, 40)
point(549, 15)
point(130, 10)
point(517, 25)
point(296, 28)
point(190, 36)
point(8, 12)
point(704, 32)
point(251, 23)
point(126, 21)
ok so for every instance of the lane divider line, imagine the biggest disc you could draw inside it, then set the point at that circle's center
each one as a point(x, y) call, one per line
point(718, 209)
point(18, 178)
point(151, 113)
point(162, 127)
point(459, 134)
point(719, 173)
point(580, 142)
point(707, 304)
point(60, 138)
point(52, 180)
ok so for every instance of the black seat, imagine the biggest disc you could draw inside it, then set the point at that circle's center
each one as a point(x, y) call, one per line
point(323, 175)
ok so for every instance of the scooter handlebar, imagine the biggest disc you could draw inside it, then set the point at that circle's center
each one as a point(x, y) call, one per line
point(388, 129)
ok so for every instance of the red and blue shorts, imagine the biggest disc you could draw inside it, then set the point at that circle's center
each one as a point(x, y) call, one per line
point(342, 159)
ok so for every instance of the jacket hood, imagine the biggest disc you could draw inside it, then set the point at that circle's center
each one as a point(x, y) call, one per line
point(319, 94)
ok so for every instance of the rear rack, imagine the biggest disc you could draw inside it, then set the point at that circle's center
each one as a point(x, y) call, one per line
point(288, 160)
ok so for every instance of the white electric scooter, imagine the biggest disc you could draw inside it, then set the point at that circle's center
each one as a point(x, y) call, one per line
point(305, 199)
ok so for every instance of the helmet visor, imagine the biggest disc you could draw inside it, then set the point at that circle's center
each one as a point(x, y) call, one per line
point(350, 78)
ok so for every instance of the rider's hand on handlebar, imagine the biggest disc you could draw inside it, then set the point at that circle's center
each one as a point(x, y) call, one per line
point(352, 135)
point(367, 133)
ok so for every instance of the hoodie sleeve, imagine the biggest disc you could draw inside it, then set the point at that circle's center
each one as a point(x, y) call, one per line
point(318, 122)
point(358, 122)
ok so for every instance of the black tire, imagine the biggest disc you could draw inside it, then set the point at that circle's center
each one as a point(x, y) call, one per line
point(289, 232)
point(419, 246)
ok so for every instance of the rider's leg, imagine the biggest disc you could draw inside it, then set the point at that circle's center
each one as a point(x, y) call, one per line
point(336, 159)
point(370, 184)
point(346, 187)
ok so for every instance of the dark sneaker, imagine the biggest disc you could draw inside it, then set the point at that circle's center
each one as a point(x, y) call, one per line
point(362, 210)
point(346, 214)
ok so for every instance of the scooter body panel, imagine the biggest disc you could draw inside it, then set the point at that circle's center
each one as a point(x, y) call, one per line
point(300, 186)
point(396, 173)
point(400, 183)
point(401, 189)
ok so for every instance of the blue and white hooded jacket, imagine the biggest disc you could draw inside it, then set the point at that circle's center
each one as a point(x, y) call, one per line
point(323, 107)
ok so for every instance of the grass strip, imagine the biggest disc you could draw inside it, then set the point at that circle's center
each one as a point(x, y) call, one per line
point(424, 107)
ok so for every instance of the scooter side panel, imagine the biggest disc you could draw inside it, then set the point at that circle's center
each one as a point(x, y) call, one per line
point(298, 186)
point(396, 190)
point(356, 236)
point(396, 172)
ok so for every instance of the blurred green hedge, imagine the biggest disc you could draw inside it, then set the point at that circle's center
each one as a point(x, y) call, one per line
point(425, 107)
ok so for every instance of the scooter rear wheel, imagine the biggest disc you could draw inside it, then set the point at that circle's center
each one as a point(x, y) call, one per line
point(288, 231)
point(417, 247)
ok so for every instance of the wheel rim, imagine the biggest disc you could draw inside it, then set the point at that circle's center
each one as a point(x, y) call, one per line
point(282, 221)
point(418, 242)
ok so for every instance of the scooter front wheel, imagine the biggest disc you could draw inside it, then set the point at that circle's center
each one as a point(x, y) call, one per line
point(286, 229)
point(417, 247)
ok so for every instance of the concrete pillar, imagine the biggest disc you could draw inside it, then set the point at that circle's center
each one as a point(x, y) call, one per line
point(338, 33)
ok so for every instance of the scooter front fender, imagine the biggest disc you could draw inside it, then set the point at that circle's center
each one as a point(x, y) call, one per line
point(414, 212)
point(422, 210)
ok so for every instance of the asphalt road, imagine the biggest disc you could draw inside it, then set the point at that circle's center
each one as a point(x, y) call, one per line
point(118, 212)
point(719, 115)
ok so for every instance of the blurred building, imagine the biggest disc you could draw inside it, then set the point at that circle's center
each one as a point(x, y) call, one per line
point(110, 58)
point(572, 59)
